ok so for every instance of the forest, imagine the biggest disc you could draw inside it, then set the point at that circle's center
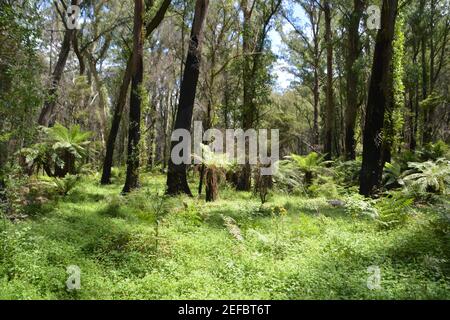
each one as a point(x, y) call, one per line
point(225, 149)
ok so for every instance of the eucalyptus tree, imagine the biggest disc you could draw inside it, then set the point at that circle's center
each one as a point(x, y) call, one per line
point(256, 24)
point(150, 26)
point(70, 31)
point(177, 175)
point(137, 74)
point(379, 99)
point(305, 53)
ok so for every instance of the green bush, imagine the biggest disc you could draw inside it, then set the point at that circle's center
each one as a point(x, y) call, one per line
point(66, 184)
point(347, 173)
point(430, 176)
point(394, 210)
point(358, 206)
point(61, 151)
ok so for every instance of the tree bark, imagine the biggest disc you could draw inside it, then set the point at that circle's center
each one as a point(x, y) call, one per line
point(134, 130)
point(329, 145)
point(118, 110)
point(352, 79)
point(177, 175)
point(244, 180)
point(115, 124)
point(45, 117)
point(380, 95)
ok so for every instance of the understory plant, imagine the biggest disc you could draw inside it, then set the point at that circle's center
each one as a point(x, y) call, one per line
point(429, 176)
point(61, 151)
point(301, 171)
point(215, 168)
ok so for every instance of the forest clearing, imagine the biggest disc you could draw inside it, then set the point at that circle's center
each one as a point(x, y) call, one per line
point(224, 150)
point(311, 251)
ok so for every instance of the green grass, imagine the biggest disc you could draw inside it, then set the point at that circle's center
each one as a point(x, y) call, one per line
point(313, 252)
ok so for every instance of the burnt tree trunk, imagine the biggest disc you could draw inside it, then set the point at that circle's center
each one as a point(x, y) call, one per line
point(380, 95)
point(177, 175)
point(329, 145)
point(352, 79)
point(244, 180)
point(211, 185)
point(115, 125)
point(118, 110)
point(134, 130)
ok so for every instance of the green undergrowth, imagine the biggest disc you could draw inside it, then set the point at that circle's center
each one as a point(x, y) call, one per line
point(146, 246)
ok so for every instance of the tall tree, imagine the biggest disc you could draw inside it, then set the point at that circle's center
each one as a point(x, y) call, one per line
point(329, 145)
point(254, 34)
point(45, 117)
point(310, 56)
point(380, 95)
point(137, 73)
point(177, 175)
point(352, 75)
point(122, 97)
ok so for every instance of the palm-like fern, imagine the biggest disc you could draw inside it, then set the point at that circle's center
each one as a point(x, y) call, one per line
point(69, 145)
point(71, 139)
point(309, 165)
point(214, 164)
point(429, 176)
point(58, 150)
point(392, 175)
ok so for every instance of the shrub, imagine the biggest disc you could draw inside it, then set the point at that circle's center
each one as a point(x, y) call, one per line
point(262, 185)
point(347, 172)
point(434, 151)
point(394, 210)
point(323, 186)
point(358, 206)
point(301, 171)
point(432, 177)
point(58, 152)
point(66, 184)
point(392, 175)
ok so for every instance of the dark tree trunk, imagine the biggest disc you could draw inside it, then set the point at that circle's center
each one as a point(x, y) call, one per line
point(152, 132)
point(329, 145)
point(211, 185)
point(68, 167)
point(352, 79)
point(118, 110)
point(134, 130)
point(380, 95)
point(414, 103)
point(47, 112)
point(177, 175)
point(315, 133)
point(244, 180)
point(426, 133)
point(202, 177)
point(115, 125)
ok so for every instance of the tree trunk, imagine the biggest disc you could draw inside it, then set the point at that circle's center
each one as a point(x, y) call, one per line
point(352, 80)
point(244, 180)
point(118, 110)
point(115, 124)
point(380, 95)
point(329, 146)
point(211, 185)
point(134, 130)
point(45, 117)
point(177, 175)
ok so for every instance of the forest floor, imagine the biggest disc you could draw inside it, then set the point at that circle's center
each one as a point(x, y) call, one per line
point(311, 251)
